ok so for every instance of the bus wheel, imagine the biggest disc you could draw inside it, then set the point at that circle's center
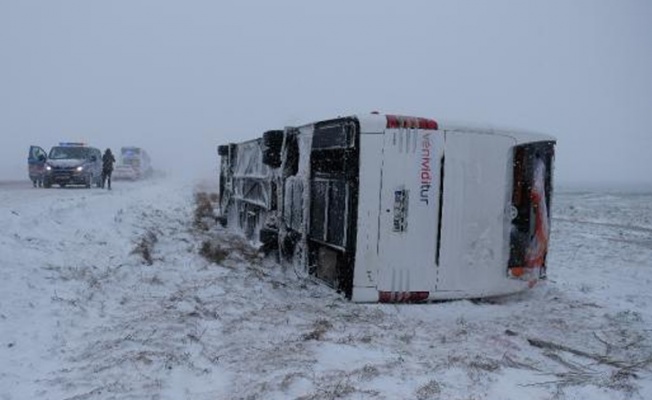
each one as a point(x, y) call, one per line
point(269, 238)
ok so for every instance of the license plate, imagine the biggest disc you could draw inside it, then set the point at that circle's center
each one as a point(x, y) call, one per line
point(401, 199)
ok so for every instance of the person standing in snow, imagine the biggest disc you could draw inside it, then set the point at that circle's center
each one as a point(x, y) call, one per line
point(107, 167)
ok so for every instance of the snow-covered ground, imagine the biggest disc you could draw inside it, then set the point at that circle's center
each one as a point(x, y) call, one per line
point(103, 295)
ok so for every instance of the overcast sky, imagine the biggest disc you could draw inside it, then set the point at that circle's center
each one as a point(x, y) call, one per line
point(180, 77)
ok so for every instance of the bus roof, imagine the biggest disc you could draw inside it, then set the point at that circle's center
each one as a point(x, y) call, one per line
point(375, 122)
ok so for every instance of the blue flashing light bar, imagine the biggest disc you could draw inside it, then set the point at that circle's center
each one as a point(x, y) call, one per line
point(71, 144)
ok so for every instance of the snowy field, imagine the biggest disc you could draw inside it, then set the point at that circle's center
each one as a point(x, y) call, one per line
point(104, 295)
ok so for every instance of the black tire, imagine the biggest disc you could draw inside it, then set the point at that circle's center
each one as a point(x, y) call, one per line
point(289, 243)
point(62, 185)
point(269, 238)
point(47, 184)
point(89, 181)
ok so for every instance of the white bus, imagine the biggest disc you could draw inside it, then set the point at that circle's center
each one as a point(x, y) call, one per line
point(396, 209)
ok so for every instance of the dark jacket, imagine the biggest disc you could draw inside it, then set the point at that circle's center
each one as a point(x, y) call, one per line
point(107, 161)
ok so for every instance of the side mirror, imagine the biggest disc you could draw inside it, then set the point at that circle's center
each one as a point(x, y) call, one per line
point(93, 158)
point(41, 158)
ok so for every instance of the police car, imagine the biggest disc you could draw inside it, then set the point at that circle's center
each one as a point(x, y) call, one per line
point(69, 163)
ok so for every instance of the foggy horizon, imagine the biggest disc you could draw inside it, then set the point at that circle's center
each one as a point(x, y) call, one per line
point(178, 79)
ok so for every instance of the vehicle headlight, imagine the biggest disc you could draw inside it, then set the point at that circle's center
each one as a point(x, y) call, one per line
point(48, 168)
point(80, 168)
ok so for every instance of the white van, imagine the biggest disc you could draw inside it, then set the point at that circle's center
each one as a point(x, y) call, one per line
point(396, 209)
point(133, 163)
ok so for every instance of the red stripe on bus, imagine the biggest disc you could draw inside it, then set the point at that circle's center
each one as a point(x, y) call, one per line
point(402, 297)
point(400, 121)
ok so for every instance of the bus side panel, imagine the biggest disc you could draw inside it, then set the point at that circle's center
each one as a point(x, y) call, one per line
point(409, 210)
point(247, 195)
point(475, 225)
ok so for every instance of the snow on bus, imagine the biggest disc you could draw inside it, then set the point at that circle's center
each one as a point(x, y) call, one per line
point(388, 208)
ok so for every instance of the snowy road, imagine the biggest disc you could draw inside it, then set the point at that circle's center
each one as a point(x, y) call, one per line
point(83, 314)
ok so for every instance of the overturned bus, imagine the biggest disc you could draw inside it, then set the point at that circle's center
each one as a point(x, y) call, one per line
point(396, 209)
